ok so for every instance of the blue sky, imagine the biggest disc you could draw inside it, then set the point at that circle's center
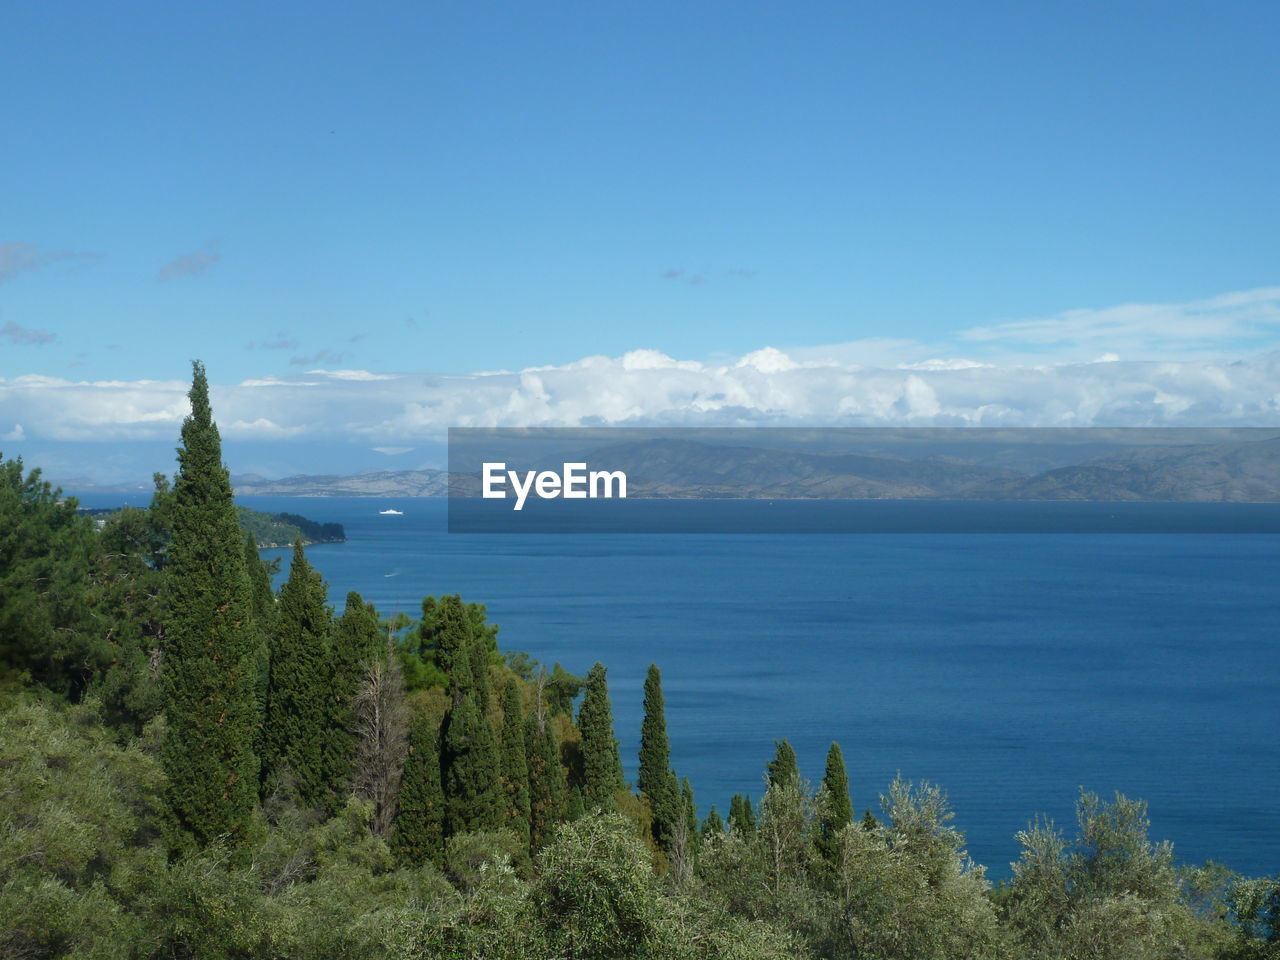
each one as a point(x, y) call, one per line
point(450, 188)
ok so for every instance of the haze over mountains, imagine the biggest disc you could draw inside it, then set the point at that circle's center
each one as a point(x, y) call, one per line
point(1246, 471)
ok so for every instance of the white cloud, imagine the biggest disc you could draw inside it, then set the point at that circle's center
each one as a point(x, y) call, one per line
point(767, 387)
point(17, 433)
point(864, 383)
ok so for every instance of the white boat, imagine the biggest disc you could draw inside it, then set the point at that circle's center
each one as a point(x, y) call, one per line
point(391, 513)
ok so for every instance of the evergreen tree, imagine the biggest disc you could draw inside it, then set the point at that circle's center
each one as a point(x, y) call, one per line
point(419, 830)
point(601, 765)
point(263, 603)
point(447, 627)
point(742, 816)
point(298, 710)
point(473, 792)
point(869, 821)
point(689, 813)
point(713, 825)
point(837, 809)
point(547, 789)
point(211, 771)
point(576, 807)
point(357, 642)
point(515, 765)
point(478, 654)
point(655, 779)
point(783, 769)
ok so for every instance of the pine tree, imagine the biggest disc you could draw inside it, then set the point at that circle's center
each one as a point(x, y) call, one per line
point(419, 830)
point(209, 654)
point(547, 789)
point(473, 792)
point(515, 765)
point(601, 765)
point(655, 779)
point(357, 642)
point(783, 767)
point(837, 808)
point(869, 821)
point(298, 711)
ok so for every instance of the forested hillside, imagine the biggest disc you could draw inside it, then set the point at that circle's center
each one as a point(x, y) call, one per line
point(196, 765)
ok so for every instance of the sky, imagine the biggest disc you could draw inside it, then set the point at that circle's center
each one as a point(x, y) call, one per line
point(375, 222)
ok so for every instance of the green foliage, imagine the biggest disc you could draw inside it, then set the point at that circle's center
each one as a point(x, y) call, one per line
point(783, 767)
point(515, 764)
point(713, 825)
point(547, 788)
point(473, 792)
point(419, 830)
point(283, 529)
point(595, 892)
point(299, 704)
point(742, 816)
point(1111, 893)
point(655, 779)
point(835, 809)
point(601, 765)
point(356, 642)
point(210, 646)
point(45, 556)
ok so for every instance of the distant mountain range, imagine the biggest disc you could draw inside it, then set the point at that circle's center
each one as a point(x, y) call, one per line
point(672, 468)
point(386, 483)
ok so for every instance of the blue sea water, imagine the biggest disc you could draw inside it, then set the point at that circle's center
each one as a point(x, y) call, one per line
point(1010, 669)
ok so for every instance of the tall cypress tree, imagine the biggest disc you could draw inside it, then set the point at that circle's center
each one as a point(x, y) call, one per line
point(601, 764)
point(419, 831)
point(472, 789)
point(448, 628)
point(263, 603)
point(837, 808)
point(298, 711)
point(689, 812)
point(713, 825)
point(357, 642)
point(515, 764)
point(655, 779)
point(742, 816)
point(783, 767)
point(209, 653)
point(547, 788)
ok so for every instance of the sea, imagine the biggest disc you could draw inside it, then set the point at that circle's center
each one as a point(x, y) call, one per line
point(1013, 670)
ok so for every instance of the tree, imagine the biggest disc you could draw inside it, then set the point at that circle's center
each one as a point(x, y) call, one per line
point(44, 563)
point(263, 605)
point(601, 765)
point(655, 779)
point(515, 765)
point(742, 817)
point(473, 793)
point(382, 724)
point(547, 789)
point(357, 642)
point(783, 766)
point(211, 769)
point(298, 712)
point(835, 809)
point(713, 825)
point(419, 830)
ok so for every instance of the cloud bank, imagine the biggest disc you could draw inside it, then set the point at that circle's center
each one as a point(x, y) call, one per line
point(645, 387)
